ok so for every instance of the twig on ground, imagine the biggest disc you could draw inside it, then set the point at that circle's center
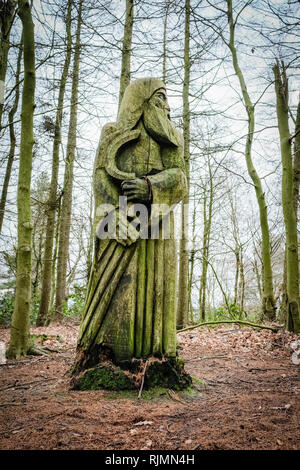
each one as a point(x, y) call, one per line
point(43, 358)
point(38, 351)
point(17, 385)
point(17, 363)
point(29, 425)
point(203, 358)
point(12, 404)
point(143, 379)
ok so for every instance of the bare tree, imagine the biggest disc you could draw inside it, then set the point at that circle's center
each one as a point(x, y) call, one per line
point(11, 155)
point(126, 51)
point(288, 199)
point(19, 338)
point(7, 15)
point(66, 208)
point(183, 298)
point(53, 196)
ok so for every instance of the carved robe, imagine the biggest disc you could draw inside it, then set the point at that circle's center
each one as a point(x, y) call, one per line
point(130, 303)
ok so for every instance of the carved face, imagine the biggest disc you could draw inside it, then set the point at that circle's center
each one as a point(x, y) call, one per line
point(159, 99)
point(156, 119)
point(146, 99)
point(137, 95)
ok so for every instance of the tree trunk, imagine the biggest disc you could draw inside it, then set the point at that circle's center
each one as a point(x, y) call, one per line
point(238, 281)
point(268, 304)
point(164, 61)
point(284, 296)
point(65, 223)
point(297, 162)
point(52, 202)
point(38, 263)
point(192, 264)
point(7, 14)
point(183, 300)
point(204, 262)
point(241, 296)
point(12, 137)
point(207, 219)
point(258, 278)
point(55, 252)
point(296, 178)
point(237, 273)
point(288, 199)
point(19, 339)
point(126, 51)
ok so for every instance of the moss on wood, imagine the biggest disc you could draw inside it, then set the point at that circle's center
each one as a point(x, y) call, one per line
point(169, 374)
point(127, 375)
point(106, 376)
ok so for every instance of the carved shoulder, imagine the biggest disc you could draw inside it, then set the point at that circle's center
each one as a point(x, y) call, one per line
point(107, 133)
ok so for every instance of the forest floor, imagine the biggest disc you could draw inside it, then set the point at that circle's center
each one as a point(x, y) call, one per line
point(249, 398)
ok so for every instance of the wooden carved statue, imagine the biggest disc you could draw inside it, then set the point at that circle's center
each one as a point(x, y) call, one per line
point(129, 316)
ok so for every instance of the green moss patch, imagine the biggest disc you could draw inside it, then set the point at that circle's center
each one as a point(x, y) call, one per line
point(102, 377)
point(167, 374)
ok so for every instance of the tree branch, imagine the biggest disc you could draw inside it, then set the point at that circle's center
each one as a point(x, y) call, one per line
point(239, 322)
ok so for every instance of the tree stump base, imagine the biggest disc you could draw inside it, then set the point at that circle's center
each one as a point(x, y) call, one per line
point(130, 374)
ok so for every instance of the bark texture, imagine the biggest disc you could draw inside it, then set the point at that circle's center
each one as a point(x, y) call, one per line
point(208, 199)
point(19, 339)
point(288, 200)
point(126, 50)
point(296, 162)
point(183, 283)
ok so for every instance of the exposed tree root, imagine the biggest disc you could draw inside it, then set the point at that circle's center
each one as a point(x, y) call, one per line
point(38, 351)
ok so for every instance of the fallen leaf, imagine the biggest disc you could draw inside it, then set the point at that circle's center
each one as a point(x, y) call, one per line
point(296, 358)
point(133, 431)
point(144, 423)
point(295, 344)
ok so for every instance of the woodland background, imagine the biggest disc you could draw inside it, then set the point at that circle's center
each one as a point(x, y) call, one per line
point(220, 62)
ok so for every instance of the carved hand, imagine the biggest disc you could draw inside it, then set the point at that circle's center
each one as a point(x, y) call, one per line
point(126, 234)
point(136, 189)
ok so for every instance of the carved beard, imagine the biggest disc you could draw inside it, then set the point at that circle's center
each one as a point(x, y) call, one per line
point(159, 126)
